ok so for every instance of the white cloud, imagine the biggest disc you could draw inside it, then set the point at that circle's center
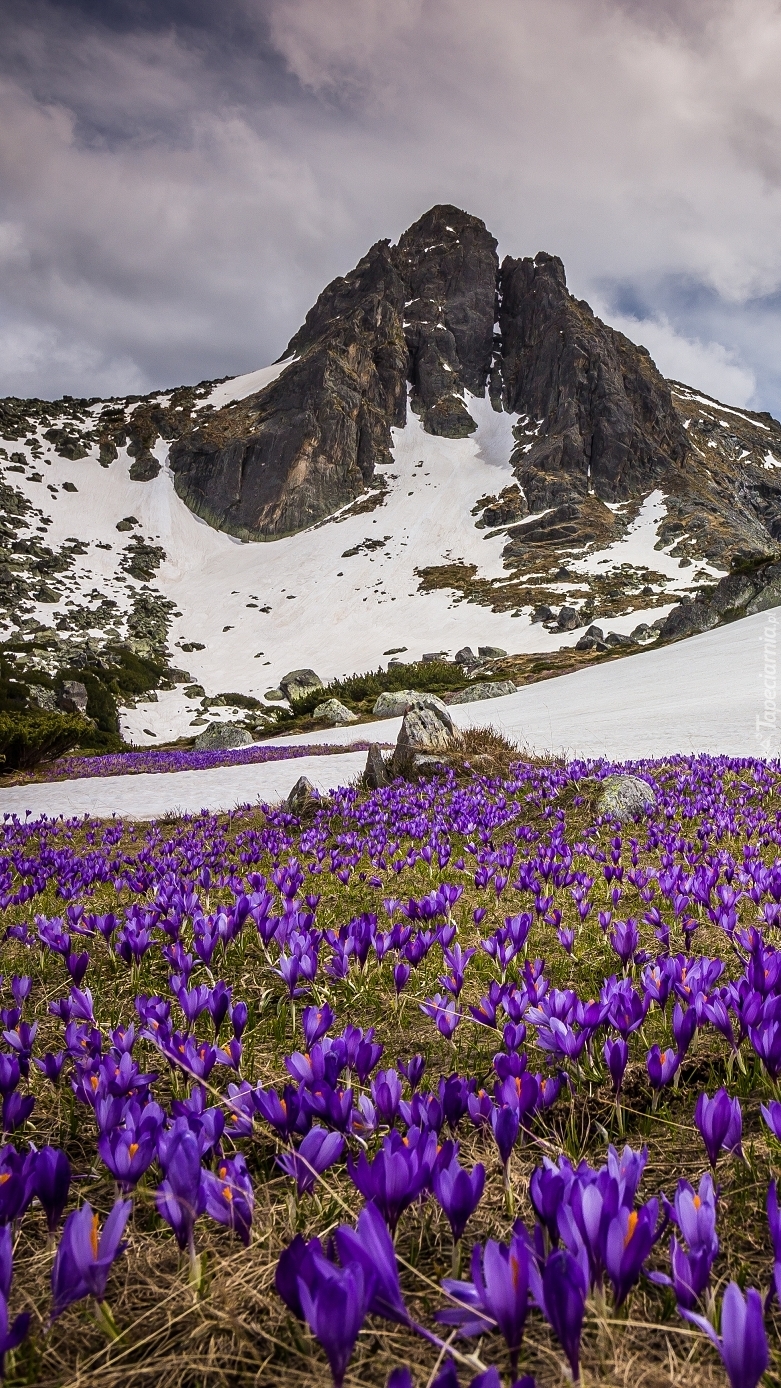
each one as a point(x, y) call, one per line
point(709, 366)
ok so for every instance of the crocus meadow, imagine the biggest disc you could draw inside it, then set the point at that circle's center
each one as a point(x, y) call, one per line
point(151, 761)
point(452, 1083)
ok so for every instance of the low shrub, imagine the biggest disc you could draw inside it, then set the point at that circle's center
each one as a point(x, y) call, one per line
point(29, 738)
point(429, 677)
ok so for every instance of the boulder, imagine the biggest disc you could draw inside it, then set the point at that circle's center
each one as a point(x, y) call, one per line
point(689, 618)
point(623, 797)
point(596, 632)
point(303, 799)
point(568, 619)
point(736, 591)
point(424, 732)
point(617, 638)
point(543, 614)
point(490, 652)
point(466, 657)
point(275, 696)
point(297, 683)
point(43, 698)
point(335, 713)
point(395, 703)
point(219, 737)
point(376, 774)
point(489, 690)
point(73, 698)
point(431, 657)
point(642, 632)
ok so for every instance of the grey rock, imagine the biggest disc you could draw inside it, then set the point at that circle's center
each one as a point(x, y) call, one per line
point(736, 591)
point(299, 682)
point(424, 731)
point(642, 632)
point(43, 698)
point(428, 765)
point(568, 619)
point(222, 737)
point(335, 713)
point(617, 638)
point(376, 775)
point(395, 703)
point(690, 618)
point(493, 690)
point(596, 632)
point(195, 691)
point(275, 696)
point(623, 797)
point(466, 657)
point(433, 656)
point(543, 614)
point(769, 597)
point(303, 799)
point(73, 698)
point(490, 652)
point(587, 643)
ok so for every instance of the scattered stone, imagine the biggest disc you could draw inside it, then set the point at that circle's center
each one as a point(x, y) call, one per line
point(275, 696)
point(303, 799)
point(222, 737)
point(298, 683)
point(376, 774)
point(69, 487)
point(492, 690)
point(144, 468)
point(433, 656)
point(490, 652)
point(568, 619)
point(596, 632)
point(43, 698)
point(623, 797)
point(543, 614)
point(396, 702)
point(195, 691)
point(335, 713)
point(642, 632)
point(73, 698)
point(616, 638)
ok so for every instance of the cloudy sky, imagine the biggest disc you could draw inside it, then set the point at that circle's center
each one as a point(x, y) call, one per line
point(180, 178)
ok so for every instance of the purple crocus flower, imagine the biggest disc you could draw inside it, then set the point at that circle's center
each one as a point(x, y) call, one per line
point(774, 1223)
point(497, 1295)
point(412, 1070)
point(85, 1254)
point(772, 1115)
point(51, 1181)
point(398, 1175)
point(661, 1066)
point(335, 1306)
point(458, 1191)
point(229, 1196)
point(616, 1053)
point(720, 1123)
point(51, 1065)
point(370, 1245)
point(181, 1196)
point(629, 1238)
point(10, 1336)
point(561, 1294)
point(624, 938)
point(315, 1022)
point(505, 1126)
point(319, 1150)
point(127, 1154)
point(743, 1341)
point(386, 1095)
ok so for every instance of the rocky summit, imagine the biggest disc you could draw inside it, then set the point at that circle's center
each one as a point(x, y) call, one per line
point(418, 324)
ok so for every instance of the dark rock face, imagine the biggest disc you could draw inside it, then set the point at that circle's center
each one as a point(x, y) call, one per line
point(608, 423)
point(420, 312)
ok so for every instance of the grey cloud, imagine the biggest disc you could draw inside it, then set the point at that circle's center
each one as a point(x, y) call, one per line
point(178, 179)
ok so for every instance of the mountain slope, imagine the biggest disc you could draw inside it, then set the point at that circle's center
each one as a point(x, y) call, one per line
point(448, 449)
